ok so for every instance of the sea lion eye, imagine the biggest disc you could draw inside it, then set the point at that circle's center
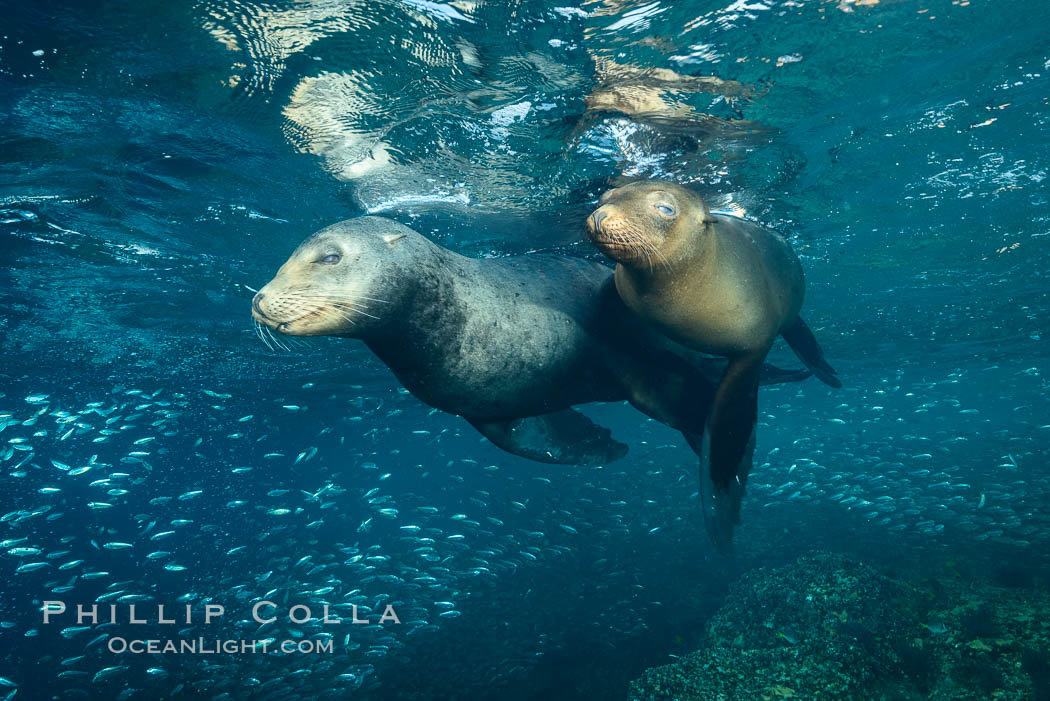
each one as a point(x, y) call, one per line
point(664, 209)
point(331, 259)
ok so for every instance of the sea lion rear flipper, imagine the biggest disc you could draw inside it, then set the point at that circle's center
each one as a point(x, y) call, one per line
point(772, 375)
point(805, 345)
point(726, 447)
point(564, 437)
point(721, 510)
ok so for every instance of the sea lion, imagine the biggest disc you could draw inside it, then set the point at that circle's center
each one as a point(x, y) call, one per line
point(720, 285)
point(510, 344)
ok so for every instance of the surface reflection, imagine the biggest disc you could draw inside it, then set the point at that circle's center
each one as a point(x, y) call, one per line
point(420, 102)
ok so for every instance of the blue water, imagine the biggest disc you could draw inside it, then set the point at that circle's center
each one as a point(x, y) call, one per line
point(158, 161)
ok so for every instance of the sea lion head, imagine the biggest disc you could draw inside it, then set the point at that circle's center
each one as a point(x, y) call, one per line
point(643, 222)
point(341, 281)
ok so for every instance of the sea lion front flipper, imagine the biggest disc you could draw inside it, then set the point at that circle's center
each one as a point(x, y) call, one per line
point(726, 447)
point(564, 437)
point(804, 343)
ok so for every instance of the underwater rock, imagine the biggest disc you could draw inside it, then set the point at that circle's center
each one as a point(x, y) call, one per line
point(830, 627)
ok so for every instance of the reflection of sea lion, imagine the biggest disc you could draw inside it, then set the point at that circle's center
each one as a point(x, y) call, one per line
point(664, 98)
point(636, 91)
point(509, 344)
point(720, 285)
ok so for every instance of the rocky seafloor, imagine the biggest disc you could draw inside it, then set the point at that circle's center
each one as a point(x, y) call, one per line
point(830, 627)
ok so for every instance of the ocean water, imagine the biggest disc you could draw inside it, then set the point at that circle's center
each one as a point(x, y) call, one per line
point(159, 161)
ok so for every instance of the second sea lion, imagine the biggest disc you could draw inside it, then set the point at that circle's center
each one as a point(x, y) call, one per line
point(719, 285)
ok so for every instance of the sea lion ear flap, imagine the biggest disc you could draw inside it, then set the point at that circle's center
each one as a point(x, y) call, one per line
point(393, 238)
point(707, 217)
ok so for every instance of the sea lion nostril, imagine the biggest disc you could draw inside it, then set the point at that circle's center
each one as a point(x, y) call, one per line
point(598, 217)
point(255, 304)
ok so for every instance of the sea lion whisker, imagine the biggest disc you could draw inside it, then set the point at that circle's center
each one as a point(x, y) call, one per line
point(295, 341)
point(259, 333)
point(312, 311)
point(347, 318)
point(340, 300)
point(273, 338)
point(659, 254)
point(620, 235)
point(345, 305)
point(281, 342)
point(636, 240)
point(663, 258)
point(344, 317)
point(337, 312)
point(647, 245)
point(264, 333)
point(318, 310)
point(352, 306)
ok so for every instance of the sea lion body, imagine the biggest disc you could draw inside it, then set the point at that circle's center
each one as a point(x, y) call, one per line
point(716, 284)
point(750, 281)
point(519, 324)
point(510, 344)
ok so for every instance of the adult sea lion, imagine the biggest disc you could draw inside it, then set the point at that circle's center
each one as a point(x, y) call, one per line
point(510, 344)
point(720, 285)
